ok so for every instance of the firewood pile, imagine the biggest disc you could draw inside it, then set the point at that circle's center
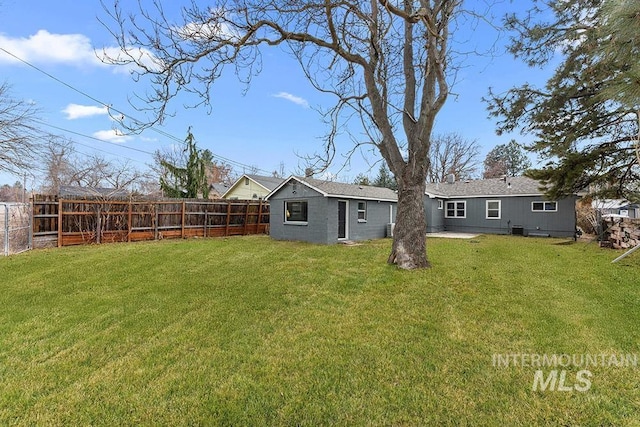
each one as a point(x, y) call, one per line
point(621, 233)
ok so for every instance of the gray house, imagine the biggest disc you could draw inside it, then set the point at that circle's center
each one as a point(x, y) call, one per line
point(511, 205)
point(319, 211)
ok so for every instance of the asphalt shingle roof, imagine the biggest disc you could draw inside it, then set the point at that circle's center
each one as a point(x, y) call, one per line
point(353, 191)
point(268, 182)
point(511, 186)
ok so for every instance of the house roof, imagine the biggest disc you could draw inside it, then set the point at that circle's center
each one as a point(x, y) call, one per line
point(219, 188)
point(340, 189)
point(509, 186)
point(266, 182)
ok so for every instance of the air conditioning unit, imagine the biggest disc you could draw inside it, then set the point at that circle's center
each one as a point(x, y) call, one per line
point(517, 230)
point(390, 227)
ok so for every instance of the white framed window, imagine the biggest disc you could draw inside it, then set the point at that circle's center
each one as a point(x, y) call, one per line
point(440, 204)
point(494, 209)
point(296, 211)
point(544, 206)
point(362, 211)
point(456, 209)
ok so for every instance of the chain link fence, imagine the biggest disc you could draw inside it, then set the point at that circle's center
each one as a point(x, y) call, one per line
point(15, 228)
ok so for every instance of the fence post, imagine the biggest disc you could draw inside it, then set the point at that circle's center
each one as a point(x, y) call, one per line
point(182, 222)
point(226, 229)
point(6, 229)
point(30, 208)
point(98, 223)
point(206, 219)
point(59, 223)
point(129, 222)
point(246, 218)
point(156, 216)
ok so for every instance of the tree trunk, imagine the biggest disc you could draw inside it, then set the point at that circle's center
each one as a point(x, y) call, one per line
point(409, 249)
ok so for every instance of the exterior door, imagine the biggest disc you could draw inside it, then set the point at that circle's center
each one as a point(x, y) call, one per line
point(342, 219)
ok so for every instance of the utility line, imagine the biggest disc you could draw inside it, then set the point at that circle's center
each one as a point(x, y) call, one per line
point(110, 107)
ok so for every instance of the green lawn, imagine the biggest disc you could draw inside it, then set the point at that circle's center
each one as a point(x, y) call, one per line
point(249, 331)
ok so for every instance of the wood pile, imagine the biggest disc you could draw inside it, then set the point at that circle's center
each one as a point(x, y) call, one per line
point(622, 233)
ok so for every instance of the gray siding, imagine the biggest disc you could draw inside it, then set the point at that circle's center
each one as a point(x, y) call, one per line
point(435, 216)
point(322, 215)
point(515, 211)
point(314, 231)
point(375, 227)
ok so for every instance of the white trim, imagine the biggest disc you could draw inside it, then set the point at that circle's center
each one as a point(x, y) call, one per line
point(477, 196)
point(455, 210)
point(544, 203)
point(286, 220)
point(358, 210)
point(325, 194)
point(486, 209)
point(440, 204)
point(346, 220)
point(239, 180)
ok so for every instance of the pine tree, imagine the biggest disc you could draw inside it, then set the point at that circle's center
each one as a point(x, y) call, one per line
point(188, 181)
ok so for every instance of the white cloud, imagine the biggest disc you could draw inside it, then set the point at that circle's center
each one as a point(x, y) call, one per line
point(51, 48)
point(295, 99)
point(112, 135)
point(76, 111)
point(71, 49)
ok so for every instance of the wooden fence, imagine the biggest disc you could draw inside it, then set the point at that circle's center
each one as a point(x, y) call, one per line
point(65, 222)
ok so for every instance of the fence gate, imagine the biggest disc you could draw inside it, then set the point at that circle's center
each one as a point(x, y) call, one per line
point(15, 228)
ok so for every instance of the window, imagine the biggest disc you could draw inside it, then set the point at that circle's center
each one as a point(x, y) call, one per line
point(246, 181)
point(456, 210)
point(295, 211)
point(362, 211)
point(440, 204)
point(544, 206)
point(493, 209)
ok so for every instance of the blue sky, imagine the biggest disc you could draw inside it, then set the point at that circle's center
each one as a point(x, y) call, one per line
point(263, 128)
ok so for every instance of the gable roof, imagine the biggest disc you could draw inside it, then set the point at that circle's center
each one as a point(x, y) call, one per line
point(342, 190)
point(266, 182)
point(509, 186)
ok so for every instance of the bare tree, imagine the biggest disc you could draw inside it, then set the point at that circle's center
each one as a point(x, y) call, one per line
point(452, 154)
point(62, 166)
point(19, 133)
point(385, 61)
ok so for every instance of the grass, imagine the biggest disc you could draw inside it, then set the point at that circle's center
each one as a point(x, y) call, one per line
point(249, 331)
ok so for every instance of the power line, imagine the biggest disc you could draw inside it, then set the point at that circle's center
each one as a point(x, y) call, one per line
point(110, 107)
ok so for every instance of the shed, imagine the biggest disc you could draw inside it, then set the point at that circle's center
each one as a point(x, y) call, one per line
point(328, 212)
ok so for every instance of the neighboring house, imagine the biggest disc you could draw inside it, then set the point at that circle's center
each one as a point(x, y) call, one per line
point(217, 190)
point(319, 211)
point(511, 205)
point(251, 187)
point(616, 207)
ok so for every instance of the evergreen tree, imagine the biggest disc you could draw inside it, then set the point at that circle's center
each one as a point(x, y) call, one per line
point(506, 159)
point(362, 179)
point(385, 178)
point(188, 180)
point(585, 120)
